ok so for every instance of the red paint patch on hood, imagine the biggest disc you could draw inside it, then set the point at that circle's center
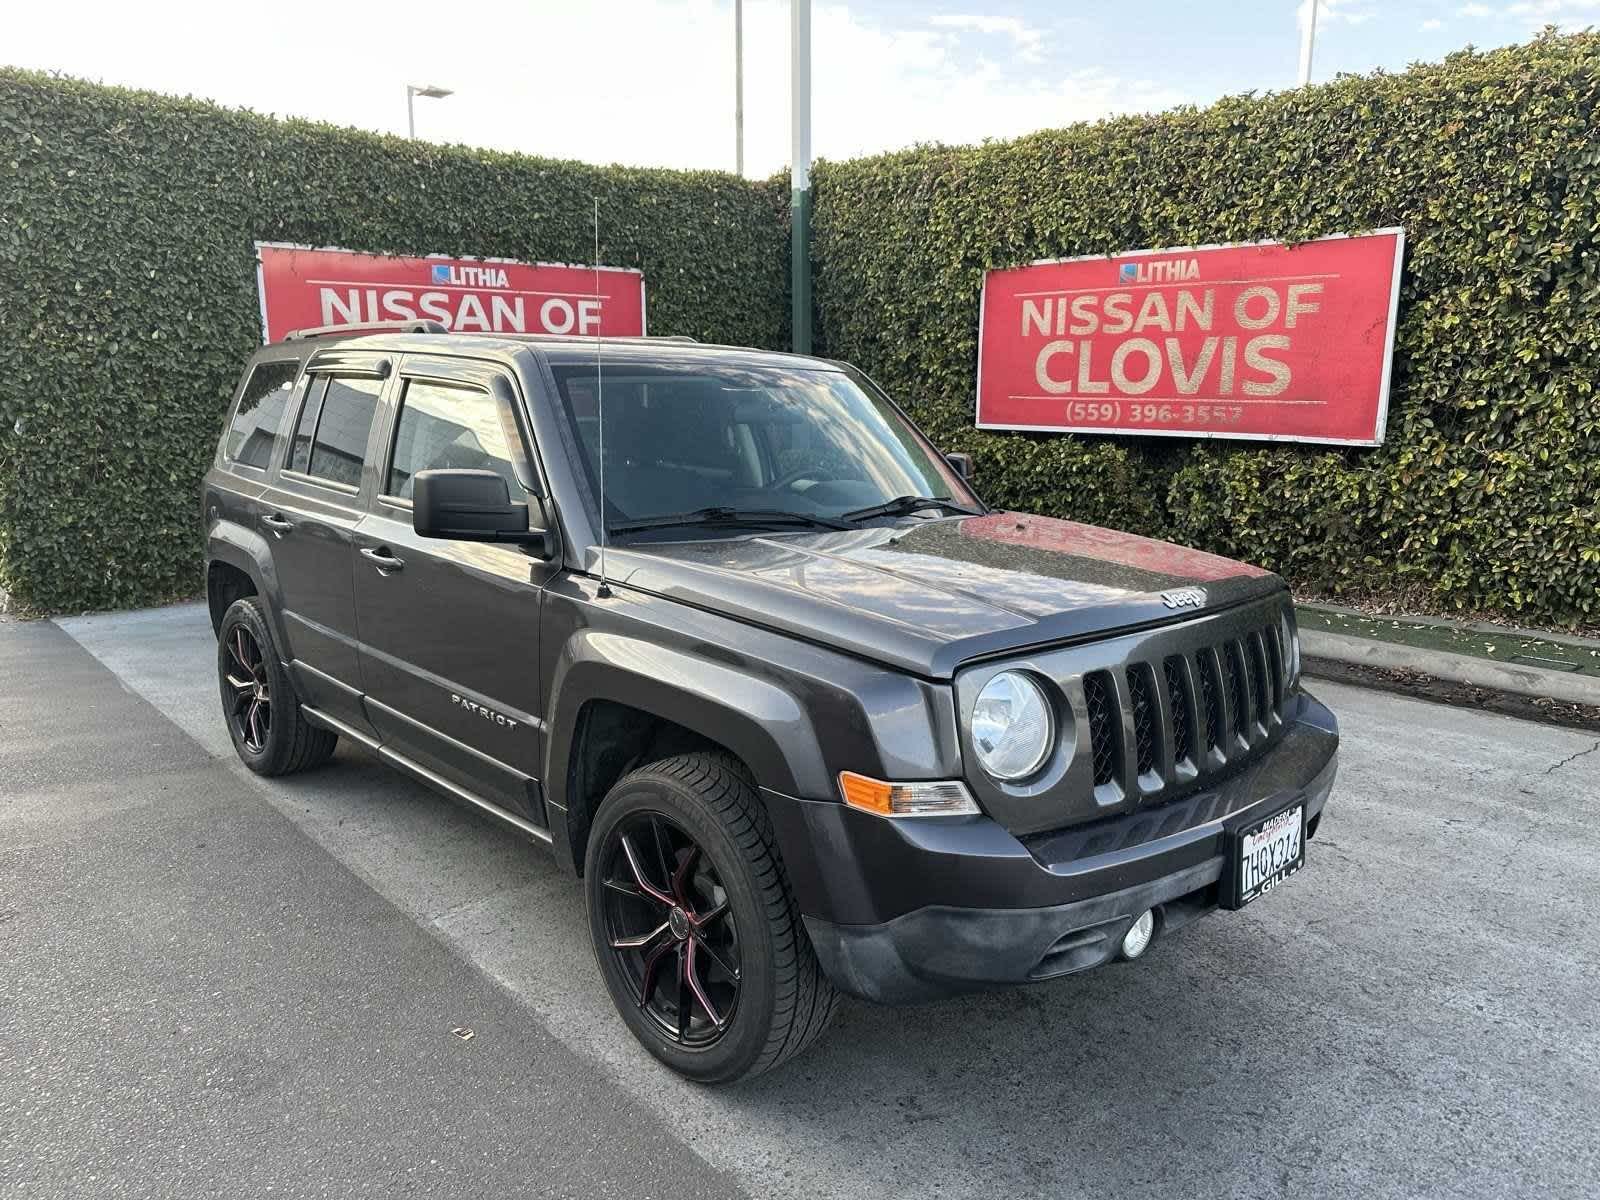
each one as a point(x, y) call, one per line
point(1107, 545)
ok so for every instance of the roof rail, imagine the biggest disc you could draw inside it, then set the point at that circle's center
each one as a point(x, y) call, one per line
point(295, 335)
point(590, 337)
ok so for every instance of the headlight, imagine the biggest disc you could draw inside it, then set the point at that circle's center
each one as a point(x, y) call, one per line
point(1013, 728)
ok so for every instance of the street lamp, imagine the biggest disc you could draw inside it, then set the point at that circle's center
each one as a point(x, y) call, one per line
point(800, 174)
point(432, 91)
point(1308, 38)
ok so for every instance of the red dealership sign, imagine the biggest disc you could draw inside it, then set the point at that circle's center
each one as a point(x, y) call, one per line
point(1268, 341)
point(301, 288)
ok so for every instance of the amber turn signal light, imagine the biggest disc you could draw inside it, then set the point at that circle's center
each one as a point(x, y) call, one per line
point(930, 799)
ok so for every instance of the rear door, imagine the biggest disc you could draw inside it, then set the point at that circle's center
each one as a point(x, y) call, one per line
point(309, 513)
point(450, 630)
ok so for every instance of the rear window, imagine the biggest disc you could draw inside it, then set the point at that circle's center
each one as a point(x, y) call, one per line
point(342, 422)
point(256, 420)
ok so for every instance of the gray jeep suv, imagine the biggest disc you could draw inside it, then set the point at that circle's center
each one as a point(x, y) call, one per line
point(729, 636)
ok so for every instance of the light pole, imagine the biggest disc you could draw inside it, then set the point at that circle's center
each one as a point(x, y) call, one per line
point(1308, 37)
point(431, 91)
point(800, 173)
point(738, 87)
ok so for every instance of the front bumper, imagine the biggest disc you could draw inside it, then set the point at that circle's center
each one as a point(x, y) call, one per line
point(910, 909)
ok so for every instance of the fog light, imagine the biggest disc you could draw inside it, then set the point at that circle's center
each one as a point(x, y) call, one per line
point(1137, 939)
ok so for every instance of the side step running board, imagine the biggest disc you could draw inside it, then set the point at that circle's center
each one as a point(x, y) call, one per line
point(422, 775)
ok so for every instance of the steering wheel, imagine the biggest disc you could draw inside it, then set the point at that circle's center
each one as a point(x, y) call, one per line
point(789, 477)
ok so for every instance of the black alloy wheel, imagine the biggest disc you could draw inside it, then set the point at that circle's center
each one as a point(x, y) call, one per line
point(265, 721)
point(251, 715)
point(671, 929)
point(695, 931)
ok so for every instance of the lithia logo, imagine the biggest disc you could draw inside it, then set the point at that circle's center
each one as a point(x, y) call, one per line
point(487, 713)
point(1159, 270)
point(460, 275)
point(1184, 598)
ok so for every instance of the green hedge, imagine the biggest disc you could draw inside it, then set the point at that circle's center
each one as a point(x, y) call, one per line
point(1486, 493)
point(128, 304)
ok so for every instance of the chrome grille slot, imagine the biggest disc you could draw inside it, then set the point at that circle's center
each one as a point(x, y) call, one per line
point(1233, 677)
point(1256, 657)
point(1275, 668)
point(1104, 733)
point(1182, 710)
point(1141, 689)
point(1210, 699)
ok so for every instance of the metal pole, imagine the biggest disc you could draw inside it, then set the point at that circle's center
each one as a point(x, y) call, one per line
point(800, 173)
point(738, 86)
point(1308, 37)
point(411, 115)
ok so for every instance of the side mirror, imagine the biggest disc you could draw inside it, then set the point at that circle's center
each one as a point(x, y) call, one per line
point(471, 506)
point(962, 464)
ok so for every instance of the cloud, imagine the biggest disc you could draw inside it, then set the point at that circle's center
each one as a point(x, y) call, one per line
point(1532, 15)
point(1026, 39)
point(1431, 24)
point(1336, 12)
point(1556, 11)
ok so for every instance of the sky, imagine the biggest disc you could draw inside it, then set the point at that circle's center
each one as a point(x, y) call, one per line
point(651, 82)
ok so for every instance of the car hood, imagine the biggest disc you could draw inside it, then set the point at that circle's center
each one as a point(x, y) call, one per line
point(925, 595)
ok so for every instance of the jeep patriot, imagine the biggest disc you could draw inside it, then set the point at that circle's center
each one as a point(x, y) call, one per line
point(724, 631)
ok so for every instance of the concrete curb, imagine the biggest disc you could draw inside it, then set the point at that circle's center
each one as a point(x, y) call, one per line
point(1457, 668)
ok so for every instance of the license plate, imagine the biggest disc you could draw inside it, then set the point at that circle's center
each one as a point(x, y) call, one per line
point(1268, 852)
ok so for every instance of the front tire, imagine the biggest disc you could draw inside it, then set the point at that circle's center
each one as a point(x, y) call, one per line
point(693, 925)
point(269, 731)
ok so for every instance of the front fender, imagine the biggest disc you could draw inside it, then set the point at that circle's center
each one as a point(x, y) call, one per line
point(795, 712)
point(761, 722)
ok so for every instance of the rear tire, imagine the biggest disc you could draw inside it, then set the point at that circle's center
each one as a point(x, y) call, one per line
point(263, 714)
point(682, 868)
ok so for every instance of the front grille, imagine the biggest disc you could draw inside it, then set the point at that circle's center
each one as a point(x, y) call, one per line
point(1191, 714)
point(1097, 697)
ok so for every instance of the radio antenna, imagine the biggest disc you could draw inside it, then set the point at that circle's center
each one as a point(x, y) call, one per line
point(604, 591)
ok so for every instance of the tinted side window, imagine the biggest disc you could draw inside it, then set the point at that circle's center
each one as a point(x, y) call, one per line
point(340, 444)
point(255, 421)
point(306, 426)
point(451, 427)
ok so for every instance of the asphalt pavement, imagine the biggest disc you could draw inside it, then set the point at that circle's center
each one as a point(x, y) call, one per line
point(214, 983)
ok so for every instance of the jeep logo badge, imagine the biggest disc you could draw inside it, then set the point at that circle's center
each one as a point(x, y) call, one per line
point(1191, 597)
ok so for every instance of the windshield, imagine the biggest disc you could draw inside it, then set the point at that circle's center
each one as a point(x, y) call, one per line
point(808, 442)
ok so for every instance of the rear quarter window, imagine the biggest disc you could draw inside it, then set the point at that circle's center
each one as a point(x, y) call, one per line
point(260, 412)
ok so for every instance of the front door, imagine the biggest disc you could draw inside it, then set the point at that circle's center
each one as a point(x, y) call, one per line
point(450, 630)
point(308, 514)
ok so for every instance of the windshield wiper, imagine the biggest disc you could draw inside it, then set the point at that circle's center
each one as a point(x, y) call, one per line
point(903, 506)
point(725, 515)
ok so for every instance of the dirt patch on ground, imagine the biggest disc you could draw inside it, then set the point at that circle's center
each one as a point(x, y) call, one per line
point(1427, 687)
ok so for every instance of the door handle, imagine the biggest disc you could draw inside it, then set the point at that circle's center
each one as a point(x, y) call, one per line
point(382, 559)
point(277, 524)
